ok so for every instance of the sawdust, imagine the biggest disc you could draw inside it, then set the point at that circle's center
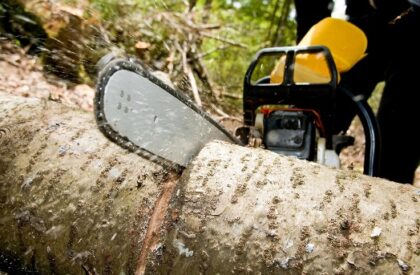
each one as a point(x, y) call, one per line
point(22, 74)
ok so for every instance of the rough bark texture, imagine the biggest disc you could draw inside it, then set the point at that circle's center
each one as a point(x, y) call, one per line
point(251, 211)
point(72, 202)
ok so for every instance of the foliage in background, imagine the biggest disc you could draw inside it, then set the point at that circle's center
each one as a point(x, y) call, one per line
point(253, 24)
point(210, 42)
point(226, 34)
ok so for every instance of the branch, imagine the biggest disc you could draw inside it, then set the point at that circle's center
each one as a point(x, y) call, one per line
point(201, 55)
point(189, 73)
point(230, 42)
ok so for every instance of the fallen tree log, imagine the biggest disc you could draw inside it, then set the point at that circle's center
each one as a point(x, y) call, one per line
point(71, 202)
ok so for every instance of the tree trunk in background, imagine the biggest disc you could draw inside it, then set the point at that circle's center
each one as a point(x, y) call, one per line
point(273, 20)
point(73, 202)
point(277, 37)
point(69, 42)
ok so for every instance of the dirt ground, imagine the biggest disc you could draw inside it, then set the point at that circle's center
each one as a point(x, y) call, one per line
point(22, 75)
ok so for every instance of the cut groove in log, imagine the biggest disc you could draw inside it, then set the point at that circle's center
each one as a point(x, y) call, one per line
point(71, 202)
point(156, 222)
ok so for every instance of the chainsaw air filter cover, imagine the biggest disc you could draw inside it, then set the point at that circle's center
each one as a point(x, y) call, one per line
point(290, 133)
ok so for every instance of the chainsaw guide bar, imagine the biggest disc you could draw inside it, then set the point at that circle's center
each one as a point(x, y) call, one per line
point(141, 113)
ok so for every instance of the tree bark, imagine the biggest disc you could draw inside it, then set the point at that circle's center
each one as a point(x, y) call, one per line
point(73, 202)
point(70, 200)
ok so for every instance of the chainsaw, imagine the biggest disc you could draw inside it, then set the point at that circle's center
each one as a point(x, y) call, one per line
point(294, 115)
point(288, 110)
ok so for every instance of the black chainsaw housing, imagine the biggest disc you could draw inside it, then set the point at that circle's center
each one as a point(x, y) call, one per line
point(290, 133)
point(302, 100)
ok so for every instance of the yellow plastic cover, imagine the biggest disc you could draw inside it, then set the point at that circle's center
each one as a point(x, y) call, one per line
point(308, 68)
point(346, 42)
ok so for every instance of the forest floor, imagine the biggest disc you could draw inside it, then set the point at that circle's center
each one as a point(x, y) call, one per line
point(22, 74)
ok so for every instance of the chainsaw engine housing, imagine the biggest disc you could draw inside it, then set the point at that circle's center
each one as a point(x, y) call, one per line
point(290, 133)
point(290, 106)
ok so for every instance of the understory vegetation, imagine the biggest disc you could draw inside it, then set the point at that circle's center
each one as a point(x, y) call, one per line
point(206, 44)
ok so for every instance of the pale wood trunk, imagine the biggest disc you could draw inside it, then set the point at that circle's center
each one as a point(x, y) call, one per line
point(70, 200)
point(73, 202)
point(251, 211)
